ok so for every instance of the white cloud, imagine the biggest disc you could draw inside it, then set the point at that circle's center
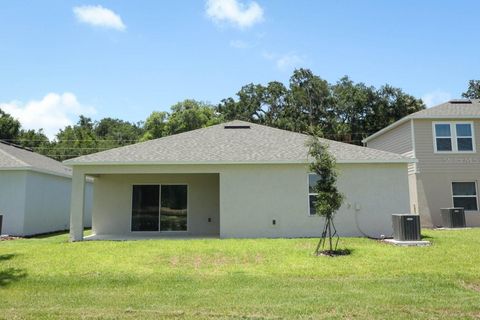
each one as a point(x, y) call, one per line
point(285, 62)
point(239, 44)
point(436, 97)
point(53, 112)
point(289, 61)
point(234, 12)
point(99, 16)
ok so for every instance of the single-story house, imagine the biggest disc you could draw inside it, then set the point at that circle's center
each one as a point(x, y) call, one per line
point(236, 179)
point(35, 193)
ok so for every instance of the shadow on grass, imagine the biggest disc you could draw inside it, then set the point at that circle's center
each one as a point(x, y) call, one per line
point(5, 257)
point(48, 235)
point(335, 253)
point(426, 237)
point(9, 275)
point(86, 231)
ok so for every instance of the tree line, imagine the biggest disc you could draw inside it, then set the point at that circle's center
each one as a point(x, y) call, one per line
point(344, 111)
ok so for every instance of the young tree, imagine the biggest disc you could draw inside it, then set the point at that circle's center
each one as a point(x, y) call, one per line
point(329, 199)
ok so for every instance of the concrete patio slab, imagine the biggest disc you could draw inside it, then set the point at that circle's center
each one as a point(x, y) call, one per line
point(420, 243)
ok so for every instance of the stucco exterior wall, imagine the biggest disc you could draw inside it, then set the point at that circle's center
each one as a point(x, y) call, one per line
point(12, 201)
point(34, 202)
point(252, 196)
point(112, 204)
point(244, 199)
point(435, 192)
point(47, 206)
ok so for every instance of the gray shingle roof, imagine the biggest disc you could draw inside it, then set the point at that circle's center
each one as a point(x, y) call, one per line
point(216, 144)
point(448, 110)
point(451, 110)
point(14, 158)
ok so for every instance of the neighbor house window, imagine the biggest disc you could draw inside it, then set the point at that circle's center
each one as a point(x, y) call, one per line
point(453, 137)
point(465, 195)
point(312, 195)
point(159, 208)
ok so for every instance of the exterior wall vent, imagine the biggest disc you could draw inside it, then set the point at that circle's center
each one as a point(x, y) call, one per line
point(236, 127)
point(460, 101)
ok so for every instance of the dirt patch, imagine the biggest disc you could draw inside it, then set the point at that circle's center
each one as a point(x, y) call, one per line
point(471, 286)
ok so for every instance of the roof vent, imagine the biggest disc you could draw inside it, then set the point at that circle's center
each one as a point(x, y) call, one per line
point(236, 127)
point(460, 101)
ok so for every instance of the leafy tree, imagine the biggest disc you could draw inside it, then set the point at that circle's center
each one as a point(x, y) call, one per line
point(309, 103)
point(155, 125)
point(189, 115)
point(249, 106)
point(117, 132)
point(473, 91)
point(36, 140)
point(9, 127)
point(352, 105)
point(76, 140)
point(390, 105)
point(328, 199)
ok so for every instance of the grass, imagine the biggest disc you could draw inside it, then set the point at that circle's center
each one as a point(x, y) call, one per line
point(49, 278)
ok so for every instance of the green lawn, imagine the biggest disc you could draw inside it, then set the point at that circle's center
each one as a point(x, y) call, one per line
point(51, 278)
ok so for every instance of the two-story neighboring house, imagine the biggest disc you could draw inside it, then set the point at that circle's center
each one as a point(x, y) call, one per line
point(444, 139)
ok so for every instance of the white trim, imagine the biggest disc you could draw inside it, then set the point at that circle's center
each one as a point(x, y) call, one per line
point(465, 196)
point(453, 136)
point(117, 163)
point(159, 207)
point(414, 146)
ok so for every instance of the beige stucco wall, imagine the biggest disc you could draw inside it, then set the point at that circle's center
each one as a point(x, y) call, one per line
point(246, 198)
point(252, 196)
point(112, 205)
point(435, 192)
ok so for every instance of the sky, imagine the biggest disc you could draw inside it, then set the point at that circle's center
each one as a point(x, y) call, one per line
point(125, 59)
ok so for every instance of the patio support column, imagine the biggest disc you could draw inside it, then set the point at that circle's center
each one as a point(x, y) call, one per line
point(77, 205)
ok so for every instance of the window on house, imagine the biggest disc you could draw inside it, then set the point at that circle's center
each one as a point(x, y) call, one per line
point(465, 195)
point(173, 213)
point(443, 137)
point(464, 137)
point(145, 206)
point(453, 137)
point(159, 208)
point(312, 181)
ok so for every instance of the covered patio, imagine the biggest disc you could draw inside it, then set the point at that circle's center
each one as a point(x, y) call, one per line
point(163, 203)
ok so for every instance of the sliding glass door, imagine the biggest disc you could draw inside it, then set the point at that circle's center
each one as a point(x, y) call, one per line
point(149, 215)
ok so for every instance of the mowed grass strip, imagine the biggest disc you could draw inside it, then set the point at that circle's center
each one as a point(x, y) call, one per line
point(50, 278)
